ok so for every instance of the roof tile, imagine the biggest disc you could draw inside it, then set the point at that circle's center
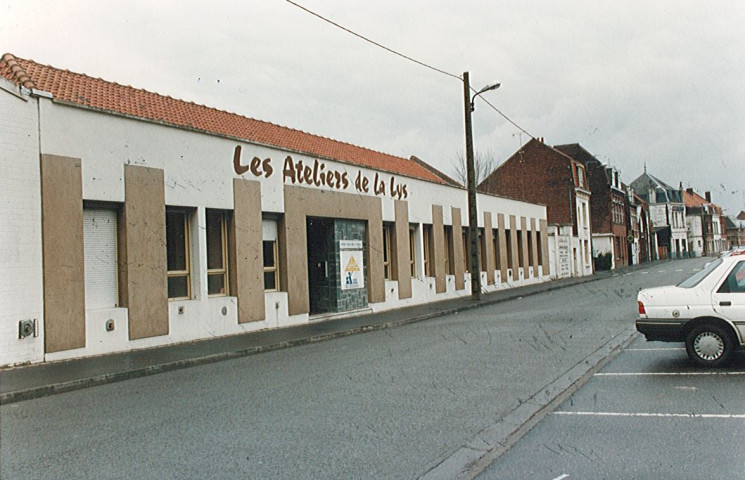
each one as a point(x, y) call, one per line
point(98, 94)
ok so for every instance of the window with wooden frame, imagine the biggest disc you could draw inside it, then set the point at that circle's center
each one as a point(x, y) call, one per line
point(217, 252)
point(177, 253)
point(427, 239)
point(387, 236)
point(271, 255)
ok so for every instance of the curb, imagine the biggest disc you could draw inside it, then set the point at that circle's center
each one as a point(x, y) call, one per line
point(472, 458)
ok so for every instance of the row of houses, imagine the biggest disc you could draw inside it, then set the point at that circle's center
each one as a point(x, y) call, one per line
point(627, 223)
point(134, 220)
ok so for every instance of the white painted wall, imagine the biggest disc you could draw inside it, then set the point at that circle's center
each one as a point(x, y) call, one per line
point(198, 170)
point(21, 294)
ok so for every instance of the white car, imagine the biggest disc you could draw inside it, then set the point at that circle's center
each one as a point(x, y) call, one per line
point(706, 311)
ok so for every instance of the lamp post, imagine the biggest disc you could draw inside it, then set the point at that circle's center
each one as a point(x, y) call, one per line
point(473, 216)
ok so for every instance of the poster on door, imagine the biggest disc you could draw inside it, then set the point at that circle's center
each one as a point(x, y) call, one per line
point(351, 270)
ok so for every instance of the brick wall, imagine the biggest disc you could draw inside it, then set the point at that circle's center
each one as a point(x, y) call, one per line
point(539, 174)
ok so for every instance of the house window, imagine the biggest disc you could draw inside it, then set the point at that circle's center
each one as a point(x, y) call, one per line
point(387, 235)
point(217, 252)
point(100, 253)
point(271, 264)
point(427, 237)
point(177, 252)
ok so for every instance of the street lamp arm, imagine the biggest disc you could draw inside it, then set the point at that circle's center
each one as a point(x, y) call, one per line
point(483, 90)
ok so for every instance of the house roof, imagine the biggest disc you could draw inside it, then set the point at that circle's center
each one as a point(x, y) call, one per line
point(664, 193)
point(94, 93)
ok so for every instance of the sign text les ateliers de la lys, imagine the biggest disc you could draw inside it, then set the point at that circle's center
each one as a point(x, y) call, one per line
point(317, 174)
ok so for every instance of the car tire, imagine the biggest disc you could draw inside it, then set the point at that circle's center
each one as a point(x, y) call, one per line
point(709, 345)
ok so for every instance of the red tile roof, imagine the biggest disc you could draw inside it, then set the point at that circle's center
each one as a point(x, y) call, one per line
point(98, 94)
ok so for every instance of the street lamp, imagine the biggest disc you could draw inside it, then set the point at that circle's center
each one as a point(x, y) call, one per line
point(473, 217)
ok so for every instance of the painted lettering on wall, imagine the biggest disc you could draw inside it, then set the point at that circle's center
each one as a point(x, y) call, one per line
point(318, 174)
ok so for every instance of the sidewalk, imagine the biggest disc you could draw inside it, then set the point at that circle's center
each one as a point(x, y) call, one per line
point(38, 380)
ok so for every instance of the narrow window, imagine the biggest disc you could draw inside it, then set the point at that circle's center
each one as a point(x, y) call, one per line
point(482, 250)
point(387, 267)
point(100, 253)
point(427, 237)
point(520, 250)
point(217, 252)
point(508, 236)
point(271, 265)
point(466, 251)
point(495, 241)
point(530, 249)
point(177, 248)
point(449, 268)
point(412, 250)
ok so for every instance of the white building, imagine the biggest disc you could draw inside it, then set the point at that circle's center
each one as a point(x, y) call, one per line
point(134, 220)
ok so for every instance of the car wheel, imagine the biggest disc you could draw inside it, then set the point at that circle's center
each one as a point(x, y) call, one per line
point(709, 345)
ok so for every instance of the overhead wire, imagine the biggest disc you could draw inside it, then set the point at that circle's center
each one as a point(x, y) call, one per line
point(406, 57)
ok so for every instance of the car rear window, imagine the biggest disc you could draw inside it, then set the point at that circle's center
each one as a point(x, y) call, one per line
point(696, 278)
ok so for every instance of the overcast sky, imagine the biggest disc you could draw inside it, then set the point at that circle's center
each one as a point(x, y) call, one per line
point(634, 82)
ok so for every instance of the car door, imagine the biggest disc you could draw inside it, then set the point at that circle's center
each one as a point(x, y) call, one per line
point(729, 297)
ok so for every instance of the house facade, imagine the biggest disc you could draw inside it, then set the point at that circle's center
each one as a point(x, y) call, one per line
point(134, 220)
point(539, 173)
point(608, 206)
point(705, 225)
point(639, 238)
point(735, 230)
point(667, 215)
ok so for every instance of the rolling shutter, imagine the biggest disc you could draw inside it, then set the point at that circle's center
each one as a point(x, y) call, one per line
point(101, 279)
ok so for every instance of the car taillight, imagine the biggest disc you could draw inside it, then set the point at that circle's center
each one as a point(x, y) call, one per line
point(641, 308)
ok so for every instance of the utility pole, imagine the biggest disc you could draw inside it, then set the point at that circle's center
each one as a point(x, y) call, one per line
point(473, 216)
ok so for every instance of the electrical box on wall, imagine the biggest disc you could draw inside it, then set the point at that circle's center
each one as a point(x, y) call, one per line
point(26, 328)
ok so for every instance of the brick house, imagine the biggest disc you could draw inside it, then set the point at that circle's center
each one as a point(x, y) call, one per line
point(539, 173)
point(639, 239)
point(608, 207)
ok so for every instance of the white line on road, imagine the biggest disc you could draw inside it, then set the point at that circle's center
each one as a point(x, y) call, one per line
point(653, 349)
point(561, 477)
point(663, 374)
point(654, 415)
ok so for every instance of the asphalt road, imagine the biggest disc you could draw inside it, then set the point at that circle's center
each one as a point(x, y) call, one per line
point(650, 413)
point(386, 404)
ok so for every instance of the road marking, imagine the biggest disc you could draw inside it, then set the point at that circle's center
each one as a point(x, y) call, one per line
point(654, 415)
point(561, 477)
point(653, 349)
point(644, 273)
point(664, 374)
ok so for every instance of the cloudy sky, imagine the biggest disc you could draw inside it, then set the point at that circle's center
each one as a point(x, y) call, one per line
point(649, 82)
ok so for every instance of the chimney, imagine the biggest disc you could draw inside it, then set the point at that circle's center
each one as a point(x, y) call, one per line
point(708, 196)
point(689, 190)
